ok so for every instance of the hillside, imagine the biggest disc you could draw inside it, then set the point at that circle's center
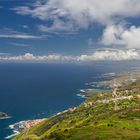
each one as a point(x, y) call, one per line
point(106, 116)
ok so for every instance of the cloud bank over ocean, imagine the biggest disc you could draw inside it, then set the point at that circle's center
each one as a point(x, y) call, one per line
point(113, 55)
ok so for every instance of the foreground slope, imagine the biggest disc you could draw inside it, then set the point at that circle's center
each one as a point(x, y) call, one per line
point(106, 116)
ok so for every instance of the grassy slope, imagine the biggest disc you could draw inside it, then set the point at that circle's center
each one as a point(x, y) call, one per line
point(93, 122)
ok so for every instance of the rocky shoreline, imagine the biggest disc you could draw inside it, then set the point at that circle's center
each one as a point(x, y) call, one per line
point(3, 115)
point(24, 125)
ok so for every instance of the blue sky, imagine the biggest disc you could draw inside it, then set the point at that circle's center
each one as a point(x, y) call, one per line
point(76, 30)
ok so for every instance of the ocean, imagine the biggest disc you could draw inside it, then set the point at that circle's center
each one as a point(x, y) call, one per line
point(33, 90)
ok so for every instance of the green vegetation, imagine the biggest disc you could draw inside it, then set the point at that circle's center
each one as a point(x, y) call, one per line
point(101, 117)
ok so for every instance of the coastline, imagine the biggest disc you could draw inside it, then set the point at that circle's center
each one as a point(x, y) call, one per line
point(4, 116)
point(21, 126)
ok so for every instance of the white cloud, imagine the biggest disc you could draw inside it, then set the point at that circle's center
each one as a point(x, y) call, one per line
point(10, 33)
point(31, 57)
point(20, 44)
point(104, 55)
point(121, 35)
point(72, 15)
point(58, 26)
point(113, 55)
point(80, 13)
point(19, 36)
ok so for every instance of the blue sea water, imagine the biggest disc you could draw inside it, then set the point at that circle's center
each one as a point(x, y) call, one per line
point(30, 91)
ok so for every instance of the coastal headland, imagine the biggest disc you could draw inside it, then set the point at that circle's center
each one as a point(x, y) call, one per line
point(106, 114)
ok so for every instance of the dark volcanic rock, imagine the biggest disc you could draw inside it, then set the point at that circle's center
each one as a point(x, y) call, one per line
point(3, 115)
